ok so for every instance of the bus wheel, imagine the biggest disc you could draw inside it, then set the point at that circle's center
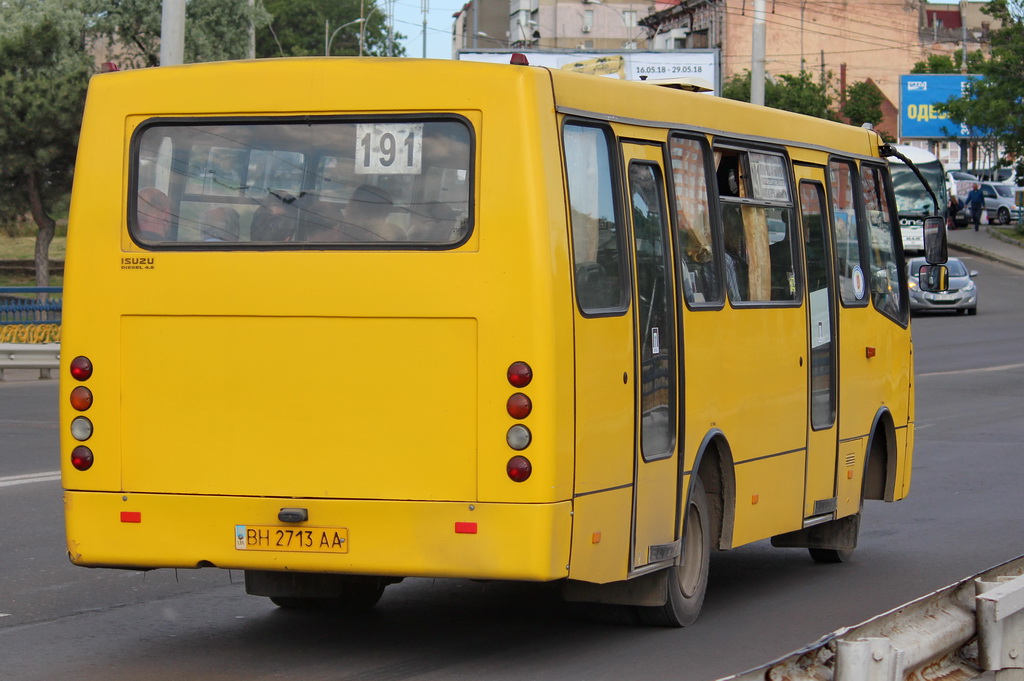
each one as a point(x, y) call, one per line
point(296, 603)
point(830, 555)
point(358, 594)
point(686, 582)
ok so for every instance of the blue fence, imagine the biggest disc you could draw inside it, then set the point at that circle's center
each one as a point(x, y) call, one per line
point(26, 305)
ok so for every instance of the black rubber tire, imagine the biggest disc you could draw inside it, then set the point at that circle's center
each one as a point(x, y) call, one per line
point(688, 581)
point(830, 555)
point(1004, 215)
point(972, 311)
point(360, 594)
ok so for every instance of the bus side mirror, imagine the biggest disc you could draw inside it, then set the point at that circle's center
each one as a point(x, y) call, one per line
point(933, 278)
point(935, 240)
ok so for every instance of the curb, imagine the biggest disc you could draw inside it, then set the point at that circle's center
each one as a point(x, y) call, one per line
point(981, 252)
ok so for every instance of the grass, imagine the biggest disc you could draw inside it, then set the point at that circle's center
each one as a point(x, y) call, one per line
point(1011, 233)
point(24, 248)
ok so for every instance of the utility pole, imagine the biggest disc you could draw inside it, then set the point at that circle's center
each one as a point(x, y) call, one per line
point(963, 43)
point(425, 6)
point(757, 65)
point(172, 33)
point(252, 31)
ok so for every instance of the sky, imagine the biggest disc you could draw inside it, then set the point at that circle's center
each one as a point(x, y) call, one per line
point(409, 22)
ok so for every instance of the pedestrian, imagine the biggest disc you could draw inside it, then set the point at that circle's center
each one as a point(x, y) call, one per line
point(975, 203)
point(955, 206)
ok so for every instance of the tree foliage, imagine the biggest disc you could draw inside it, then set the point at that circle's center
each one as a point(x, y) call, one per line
point(943, 63)
point(215, 30)
point(863, 103)
point(304, 27)
point(990, 106)
point(801, 93)
point(44, 72)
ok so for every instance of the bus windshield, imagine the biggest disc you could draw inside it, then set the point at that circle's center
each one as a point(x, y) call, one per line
point(911, 196)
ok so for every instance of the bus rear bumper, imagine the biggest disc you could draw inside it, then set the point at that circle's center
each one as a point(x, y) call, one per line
point(390, 538)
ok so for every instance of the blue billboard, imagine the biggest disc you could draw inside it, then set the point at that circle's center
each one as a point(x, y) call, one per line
point(919, 94)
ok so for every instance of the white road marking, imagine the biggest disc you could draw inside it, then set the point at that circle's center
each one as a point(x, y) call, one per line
point(11, 480)
point(1005, 367)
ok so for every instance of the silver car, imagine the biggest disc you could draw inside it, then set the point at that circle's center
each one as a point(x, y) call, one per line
point(1000, 202)
point(961, 297)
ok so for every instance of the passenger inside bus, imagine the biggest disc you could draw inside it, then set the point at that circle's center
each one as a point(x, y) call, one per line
point(433, 222)
point(366, 216)
point(154, 215)
point(735, 262)
point(275, 219)
point(220, 224)
point(319, 220)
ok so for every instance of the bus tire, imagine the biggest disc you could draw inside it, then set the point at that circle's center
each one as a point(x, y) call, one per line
point(830, 555)
point(688, 581)
point(358, 594)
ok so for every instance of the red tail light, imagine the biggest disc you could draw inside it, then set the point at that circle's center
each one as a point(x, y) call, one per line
point(81, 368)
point(81, 458)
point(519, 468)
point(520, 374)
point(519, 406)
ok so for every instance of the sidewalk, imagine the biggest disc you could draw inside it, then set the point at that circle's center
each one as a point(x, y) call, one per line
point(986, 243)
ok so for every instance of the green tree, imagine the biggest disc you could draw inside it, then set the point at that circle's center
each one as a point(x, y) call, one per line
point(304, 27)
point(864, 105)
point(943, 63)
point(990, 105)
point(215, 30)
point(44, 73)
point(801, 93)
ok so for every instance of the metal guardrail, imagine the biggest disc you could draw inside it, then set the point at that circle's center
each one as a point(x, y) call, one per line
point(964, 631)
point(30, 328)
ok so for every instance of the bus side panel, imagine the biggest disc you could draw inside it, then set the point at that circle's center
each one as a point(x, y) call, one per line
point(850, 476)
point(769, 496)
point(428, 539)
point(876, 373)
point(601, 535)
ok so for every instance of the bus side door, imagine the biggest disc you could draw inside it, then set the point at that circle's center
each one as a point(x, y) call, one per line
point(656, 477)
point(822, 433)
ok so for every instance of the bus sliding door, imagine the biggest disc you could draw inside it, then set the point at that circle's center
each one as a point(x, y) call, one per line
point(656, 476)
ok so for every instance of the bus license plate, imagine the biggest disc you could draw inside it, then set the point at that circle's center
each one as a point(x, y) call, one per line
point(304, 539)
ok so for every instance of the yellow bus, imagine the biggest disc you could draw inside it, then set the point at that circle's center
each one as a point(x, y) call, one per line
point(338, 322)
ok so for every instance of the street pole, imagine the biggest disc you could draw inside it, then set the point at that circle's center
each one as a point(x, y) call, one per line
point(172, 33)
point(252, 31)
point(425, 5)
point(757, 62)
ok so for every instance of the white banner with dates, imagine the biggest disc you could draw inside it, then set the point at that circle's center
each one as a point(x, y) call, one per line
point(627, 65)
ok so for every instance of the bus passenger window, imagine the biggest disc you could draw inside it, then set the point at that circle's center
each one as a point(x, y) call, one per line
point(696, 252)
point(757, 226)
point(314, 180)
point(885, 267)
point(851, 273)
point(596, 235)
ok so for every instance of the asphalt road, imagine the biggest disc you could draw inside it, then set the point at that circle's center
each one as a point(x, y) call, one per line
point(963, 515)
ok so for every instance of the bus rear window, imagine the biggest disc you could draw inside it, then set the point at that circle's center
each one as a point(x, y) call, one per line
point(381, 181)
